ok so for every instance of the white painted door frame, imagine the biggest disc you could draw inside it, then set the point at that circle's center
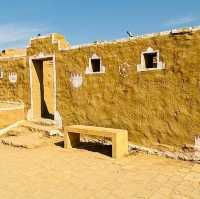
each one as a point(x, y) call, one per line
point(41, 57)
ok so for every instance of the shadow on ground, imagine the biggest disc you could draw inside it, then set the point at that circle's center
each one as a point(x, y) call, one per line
point(91, 146)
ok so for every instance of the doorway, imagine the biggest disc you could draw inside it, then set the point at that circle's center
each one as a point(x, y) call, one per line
point(42, 88)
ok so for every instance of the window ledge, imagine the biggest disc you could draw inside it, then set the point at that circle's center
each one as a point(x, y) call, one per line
point(142, 68)
point(94, 73)
point(89, 70)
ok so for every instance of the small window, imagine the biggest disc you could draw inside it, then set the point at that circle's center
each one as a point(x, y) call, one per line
point(151, 60)
point(96, 65)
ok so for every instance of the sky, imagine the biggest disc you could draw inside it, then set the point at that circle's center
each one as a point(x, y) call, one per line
point(85, 21)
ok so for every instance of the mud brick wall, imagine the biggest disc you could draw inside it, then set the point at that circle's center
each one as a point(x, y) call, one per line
point(19, 91)
point(161, 106)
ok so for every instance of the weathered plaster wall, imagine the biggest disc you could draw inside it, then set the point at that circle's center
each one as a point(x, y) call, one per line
point(39, 48)
point(19, 91)
point(46, 45)
point(155, 106)
point(9, 117)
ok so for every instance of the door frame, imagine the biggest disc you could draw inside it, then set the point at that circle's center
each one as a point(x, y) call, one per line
point(42, 57)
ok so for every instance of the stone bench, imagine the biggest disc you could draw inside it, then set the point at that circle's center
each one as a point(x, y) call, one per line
point(119, 137)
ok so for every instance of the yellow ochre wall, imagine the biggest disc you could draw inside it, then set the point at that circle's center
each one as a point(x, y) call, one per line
point(161, 106)
point(19, 91)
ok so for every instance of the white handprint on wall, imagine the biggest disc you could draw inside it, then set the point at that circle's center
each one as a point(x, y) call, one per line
point(12, 77)
point(76, 80)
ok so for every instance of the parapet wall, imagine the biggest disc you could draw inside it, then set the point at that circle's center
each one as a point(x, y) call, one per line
point(10, 113)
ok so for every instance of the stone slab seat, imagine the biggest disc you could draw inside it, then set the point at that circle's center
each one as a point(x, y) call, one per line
point(119, 137)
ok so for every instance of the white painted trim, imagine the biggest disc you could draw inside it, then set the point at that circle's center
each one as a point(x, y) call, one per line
point(94, 73)
point(144, 36)
point(41, 37)
point(31, 89)
point(142, 67)
point(1, 72)
point(56, 42)
point(12, 102)
point(41, 56)
point(12, 57)
point(89, 69)
point(18, 106)
point(31, 58)
point(53, 37)
point(5, 130)
point(11, 108)
point(54, 84)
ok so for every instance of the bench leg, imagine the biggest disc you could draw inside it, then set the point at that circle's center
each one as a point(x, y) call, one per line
point(71, 140)
point(120, 145)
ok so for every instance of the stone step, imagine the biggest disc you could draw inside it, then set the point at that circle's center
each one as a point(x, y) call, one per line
point(31, 135)
point(33, 127)
point(44, 122)
point(18, 131)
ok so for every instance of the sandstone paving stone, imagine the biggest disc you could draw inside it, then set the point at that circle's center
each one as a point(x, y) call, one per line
point(195, 194)
point(158, 196)
point(53, 172)
point(177, 196)
point(196, 168)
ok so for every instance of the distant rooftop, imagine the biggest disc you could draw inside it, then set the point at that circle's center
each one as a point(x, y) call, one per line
point(13, 52)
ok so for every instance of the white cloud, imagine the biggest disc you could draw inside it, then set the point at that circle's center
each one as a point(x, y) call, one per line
point(181, 20)
point(17, 35)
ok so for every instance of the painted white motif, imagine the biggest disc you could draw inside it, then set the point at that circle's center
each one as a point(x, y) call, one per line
point(95, 56)
point(197, 148)
point(76, 80)
point(197, 142)
point(12, 77)
point(124, 70)
point(149, 50)
point(29, 115)
point(58, 120)
point(1, 73)
point(56, 132)
point(41, 55)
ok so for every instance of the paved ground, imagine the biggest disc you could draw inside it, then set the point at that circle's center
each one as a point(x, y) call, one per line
point(52, 172)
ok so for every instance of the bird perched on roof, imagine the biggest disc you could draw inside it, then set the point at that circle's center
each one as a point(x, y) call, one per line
point(130, 34)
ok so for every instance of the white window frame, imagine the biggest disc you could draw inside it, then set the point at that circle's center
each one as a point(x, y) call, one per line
point(1, 72)
point(89, 69)
point(142, 67)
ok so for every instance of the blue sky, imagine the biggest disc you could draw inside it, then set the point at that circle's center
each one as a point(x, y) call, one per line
point(83, 21)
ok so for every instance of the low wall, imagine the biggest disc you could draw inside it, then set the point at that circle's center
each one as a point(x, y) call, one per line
point(10, 113)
